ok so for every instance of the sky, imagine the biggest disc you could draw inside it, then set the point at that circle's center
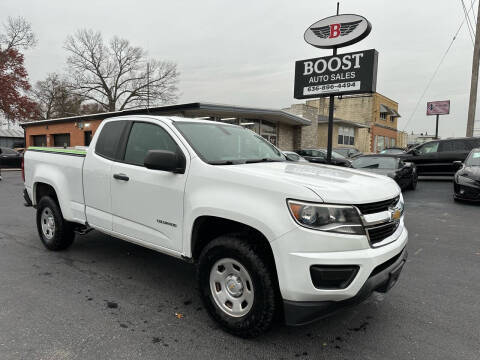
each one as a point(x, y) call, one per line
point(243, 52)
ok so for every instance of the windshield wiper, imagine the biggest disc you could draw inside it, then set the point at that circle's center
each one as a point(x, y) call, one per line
point(251, 161)
point(225, 162)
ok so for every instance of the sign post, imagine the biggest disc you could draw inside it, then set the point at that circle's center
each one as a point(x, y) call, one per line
point(438, 108)
point(331, 108)
point(337, 74)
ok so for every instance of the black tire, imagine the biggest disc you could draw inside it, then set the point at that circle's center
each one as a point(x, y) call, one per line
point(262, 312)
point(413, 183)
point(63, 235)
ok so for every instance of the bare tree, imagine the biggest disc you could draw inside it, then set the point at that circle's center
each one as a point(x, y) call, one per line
point(17, 34)
point(55, 99)
point(118, 75)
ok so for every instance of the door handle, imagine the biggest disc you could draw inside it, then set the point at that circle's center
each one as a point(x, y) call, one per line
point(121, 177)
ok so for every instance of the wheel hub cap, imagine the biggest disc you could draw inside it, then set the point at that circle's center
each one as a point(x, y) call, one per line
point(48, 223)
point(231, 287)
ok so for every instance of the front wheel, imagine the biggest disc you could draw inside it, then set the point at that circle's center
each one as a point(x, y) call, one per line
point(413, 183)
point(237, 286)
point(55, 232)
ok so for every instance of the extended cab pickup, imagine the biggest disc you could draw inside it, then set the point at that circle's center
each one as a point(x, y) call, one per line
point(267, 235)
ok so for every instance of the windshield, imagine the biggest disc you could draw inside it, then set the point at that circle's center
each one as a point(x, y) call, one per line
point(223, 144)
point(372, 162)
point(335, 155)
point(343, 152)
point(473, 159)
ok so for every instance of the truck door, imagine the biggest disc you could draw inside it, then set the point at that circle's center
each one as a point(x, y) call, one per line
point(426, 158)
point(147, 205)
point(97, 173)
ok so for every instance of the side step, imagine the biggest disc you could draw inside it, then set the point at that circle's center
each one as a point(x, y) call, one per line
point(82, 229)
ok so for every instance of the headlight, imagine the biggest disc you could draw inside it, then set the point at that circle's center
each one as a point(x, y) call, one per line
point(341, 219)
point(400, 206)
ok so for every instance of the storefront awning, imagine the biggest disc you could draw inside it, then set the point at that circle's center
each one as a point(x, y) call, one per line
point(386, 110)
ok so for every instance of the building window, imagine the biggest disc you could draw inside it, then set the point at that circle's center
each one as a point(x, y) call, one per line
point(346, 135)
point(253, 125)
point(39, 140)
point(87, 137)
point(392, 118)
point(268, 130)
point(61, 140)
point(379, 143)
point(383, 115)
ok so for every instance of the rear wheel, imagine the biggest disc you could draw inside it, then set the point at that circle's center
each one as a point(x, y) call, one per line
point(236, 286)
point(55, 232)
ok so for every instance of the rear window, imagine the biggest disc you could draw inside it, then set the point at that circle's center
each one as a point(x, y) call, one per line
point(371, 162)
point(458, 145)
point(108, 142)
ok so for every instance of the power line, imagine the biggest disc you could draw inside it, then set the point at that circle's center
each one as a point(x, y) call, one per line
point(436, 71)
point(473, 14)
point(469, 24)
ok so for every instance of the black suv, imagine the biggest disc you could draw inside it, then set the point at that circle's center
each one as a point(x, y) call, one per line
point(436, 157)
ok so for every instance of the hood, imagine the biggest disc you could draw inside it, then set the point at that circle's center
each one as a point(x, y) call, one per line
point(384, 172)
point(332, 184)
point(472, 172)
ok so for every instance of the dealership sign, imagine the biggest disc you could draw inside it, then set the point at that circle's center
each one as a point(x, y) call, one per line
point(438, 107)
point(350, 73)
point(337, 31)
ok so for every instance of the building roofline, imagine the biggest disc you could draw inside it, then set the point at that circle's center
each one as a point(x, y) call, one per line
point(171, 109)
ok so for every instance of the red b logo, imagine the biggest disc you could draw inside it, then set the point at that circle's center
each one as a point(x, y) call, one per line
point(334, 31)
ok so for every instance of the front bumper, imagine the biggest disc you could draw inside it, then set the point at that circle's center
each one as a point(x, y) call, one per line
point(466, 189)
point(328, 249)
point(382, 279)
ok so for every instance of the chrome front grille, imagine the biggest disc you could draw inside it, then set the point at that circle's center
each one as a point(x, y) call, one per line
point(377, 234)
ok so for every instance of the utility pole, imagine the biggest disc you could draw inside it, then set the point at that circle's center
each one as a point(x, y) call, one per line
point(474, 82)
point(331, 108)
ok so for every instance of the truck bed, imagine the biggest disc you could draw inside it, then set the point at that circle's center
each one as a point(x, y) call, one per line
point(58, 167)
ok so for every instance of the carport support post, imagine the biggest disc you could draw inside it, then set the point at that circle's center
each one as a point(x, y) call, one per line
point(436, 128)
point(331, 108)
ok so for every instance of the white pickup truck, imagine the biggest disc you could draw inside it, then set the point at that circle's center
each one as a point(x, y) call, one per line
point(268, 236)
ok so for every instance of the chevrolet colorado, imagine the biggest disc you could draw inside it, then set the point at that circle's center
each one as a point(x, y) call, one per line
point(268, 236)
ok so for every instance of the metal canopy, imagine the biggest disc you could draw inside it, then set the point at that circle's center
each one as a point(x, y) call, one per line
point(192, 110)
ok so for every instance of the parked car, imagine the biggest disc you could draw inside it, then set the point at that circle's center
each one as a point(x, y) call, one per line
point(319, 156)
point(436, 157)
point(293, 156)
point(10, 158)
point(267, 238)
point(404, 173)
point(348, 152)
point(466, 185)
point(393, 151)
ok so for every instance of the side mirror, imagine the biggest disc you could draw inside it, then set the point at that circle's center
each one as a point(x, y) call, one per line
point(165, 161)
point(457, 164)
point(289, 157)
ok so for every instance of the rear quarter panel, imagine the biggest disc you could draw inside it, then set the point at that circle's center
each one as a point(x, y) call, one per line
point(62, 172)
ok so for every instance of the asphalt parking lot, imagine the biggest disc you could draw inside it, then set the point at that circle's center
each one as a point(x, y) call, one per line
point(108, 299)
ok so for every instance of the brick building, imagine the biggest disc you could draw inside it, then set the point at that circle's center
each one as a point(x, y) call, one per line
point(367, 122)
point(279, 127)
